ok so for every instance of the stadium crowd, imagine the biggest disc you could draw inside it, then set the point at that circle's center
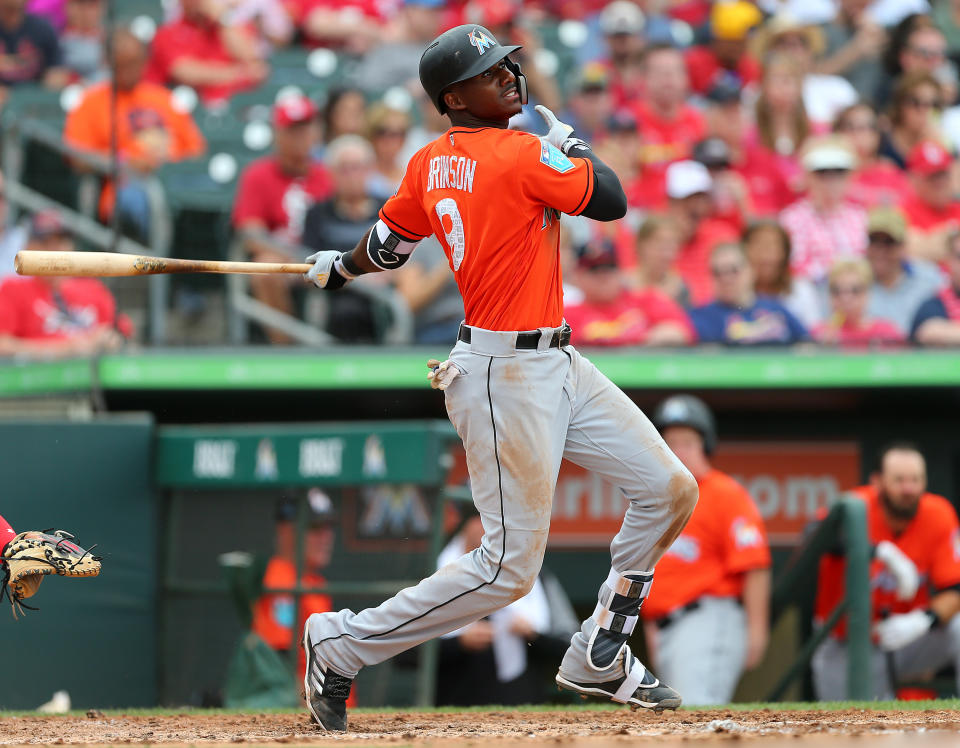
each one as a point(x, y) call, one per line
point(790, 166)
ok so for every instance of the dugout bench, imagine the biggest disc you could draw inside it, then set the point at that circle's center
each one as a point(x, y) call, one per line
point(215, 482)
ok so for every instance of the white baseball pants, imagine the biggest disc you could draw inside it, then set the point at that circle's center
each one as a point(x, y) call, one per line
point(518, 413)
point(701, 653)
point(932, 651)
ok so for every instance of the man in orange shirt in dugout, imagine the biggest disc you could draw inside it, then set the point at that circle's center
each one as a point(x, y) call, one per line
point(914, 582)
point(707, 617)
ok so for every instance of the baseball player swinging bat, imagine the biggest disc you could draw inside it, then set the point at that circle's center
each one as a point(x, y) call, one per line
point(109, 264)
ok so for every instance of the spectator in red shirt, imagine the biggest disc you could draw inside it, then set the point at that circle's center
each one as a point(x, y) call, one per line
point(690, 209)
point(667, 124)
point(273, 197)
point(930, 208)
point(657, 247)
point(726, 54)
point(353, 26)
point(848, 324)
point(611, 314)
point(54, 316)
point(199, 50)
point(825, 225)
point(876, 180)
point(622, 25)
point(728, 120)
point(731, 198)
point(781, 117)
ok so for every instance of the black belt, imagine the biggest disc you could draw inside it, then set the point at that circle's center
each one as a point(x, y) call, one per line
point(674, 615)
point(528, 341)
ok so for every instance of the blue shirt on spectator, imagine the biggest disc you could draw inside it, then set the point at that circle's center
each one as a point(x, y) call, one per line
point(767, 322)
point(932, 308)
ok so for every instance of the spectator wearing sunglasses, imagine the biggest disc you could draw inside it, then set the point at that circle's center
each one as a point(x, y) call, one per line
point(917, 99)
point(900, 283)
point(739, 316)
point(876, 180)
point(825, 224)
point(387, 130)
point(848, 324)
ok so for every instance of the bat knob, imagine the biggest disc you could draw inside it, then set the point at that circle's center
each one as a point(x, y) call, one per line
point(18, 264)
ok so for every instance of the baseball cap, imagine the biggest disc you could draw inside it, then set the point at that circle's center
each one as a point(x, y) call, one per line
point(293, 110)
point(712, 152)
point(622, 120)
point(828, 155)
point(732, 21)
point(887, 219)
point(321, 509)
point(47, 223)
point(621, 17)
point(928, 158)
point(686, 178)
point(726, 89)
point(592, 77)
point(597, 253)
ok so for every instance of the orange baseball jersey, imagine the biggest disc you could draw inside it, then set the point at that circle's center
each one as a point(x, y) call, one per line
point(493, 198)
point(724, 538)
point(931, 541)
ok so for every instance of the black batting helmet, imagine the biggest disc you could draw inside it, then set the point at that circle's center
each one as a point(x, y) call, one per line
point(687, 410)
point(461, 53)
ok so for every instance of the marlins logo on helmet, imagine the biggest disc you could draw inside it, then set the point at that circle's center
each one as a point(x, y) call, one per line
point(480, 40)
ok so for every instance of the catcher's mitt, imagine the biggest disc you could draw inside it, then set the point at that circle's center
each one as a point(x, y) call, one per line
point(32, 555)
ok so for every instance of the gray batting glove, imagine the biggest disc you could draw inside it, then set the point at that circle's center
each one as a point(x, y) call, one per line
point(558, 132)
point(442, 374)
point(323, 274)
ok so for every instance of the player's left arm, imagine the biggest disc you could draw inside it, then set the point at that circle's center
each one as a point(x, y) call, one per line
point(608, 201)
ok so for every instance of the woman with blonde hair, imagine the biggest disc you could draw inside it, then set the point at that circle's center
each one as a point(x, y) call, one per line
point(782, 124)
point(767, 247)
point(849, 280)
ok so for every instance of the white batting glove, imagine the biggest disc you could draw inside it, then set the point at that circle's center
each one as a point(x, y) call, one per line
point(558, 132)
point(902, 568)
point(898, 631)
point(323, 274)
point(442, 374)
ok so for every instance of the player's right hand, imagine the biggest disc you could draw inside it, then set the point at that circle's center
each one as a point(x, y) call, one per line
point(558, 131)
point(441, 374)
point(904, 571)
point(323, 274)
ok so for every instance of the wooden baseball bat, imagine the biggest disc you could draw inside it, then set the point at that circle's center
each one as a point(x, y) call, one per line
point(108, 264)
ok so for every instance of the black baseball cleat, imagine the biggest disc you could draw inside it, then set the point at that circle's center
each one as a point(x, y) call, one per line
point(325, 691)
point(637, 687)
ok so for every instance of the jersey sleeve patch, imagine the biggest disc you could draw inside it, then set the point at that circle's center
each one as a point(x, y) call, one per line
point(554, 158)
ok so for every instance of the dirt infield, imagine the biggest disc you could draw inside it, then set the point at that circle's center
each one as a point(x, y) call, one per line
point(563, 728)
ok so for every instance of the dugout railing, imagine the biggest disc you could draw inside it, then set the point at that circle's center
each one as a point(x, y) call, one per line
point(844, 526)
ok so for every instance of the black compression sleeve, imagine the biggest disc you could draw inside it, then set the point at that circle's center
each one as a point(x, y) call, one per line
point(608, 201)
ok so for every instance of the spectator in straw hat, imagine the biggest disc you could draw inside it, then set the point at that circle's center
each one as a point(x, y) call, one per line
point(823, 95)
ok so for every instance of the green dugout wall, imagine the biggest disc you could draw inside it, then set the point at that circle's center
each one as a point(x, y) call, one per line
point(94, 638)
